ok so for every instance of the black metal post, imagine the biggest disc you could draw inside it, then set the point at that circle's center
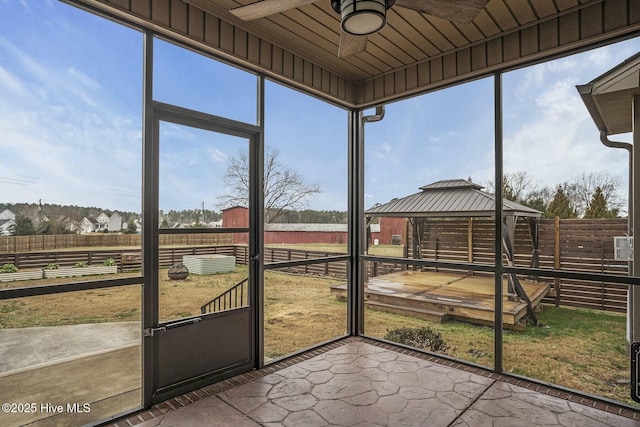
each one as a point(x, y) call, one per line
point(498, 274)
point(149, 226)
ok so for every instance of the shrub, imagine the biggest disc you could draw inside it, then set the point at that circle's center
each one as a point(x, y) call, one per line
point(9, 268)
point(52, 266)
point(423, 337)
point(109, 262)
point(80, 264)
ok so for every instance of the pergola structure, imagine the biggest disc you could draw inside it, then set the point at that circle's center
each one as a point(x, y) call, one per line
point(301, 47)
point(459, 198)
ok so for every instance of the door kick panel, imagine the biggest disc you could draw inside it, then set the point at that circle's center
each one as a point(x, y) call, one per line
point(208, 344)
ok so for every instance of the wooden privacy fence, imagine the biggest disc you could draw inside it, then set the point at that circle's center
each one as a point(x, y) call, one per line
point(13, 244)
point(567, 244)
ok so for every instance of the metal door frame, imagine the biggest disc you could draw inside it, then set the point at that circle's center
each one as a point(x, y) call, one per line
point(161, 112)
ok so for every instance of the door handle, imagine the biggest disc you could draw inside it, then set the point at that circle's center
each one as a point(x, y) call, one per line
point(180, 323)
point(149, 332)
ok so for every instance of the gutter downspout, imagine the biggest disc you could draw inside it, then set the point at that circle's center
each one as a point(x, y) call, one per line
point(373, 118)
point(358, 232)
point(629, 147)
point(378, 116)
point(630, 226)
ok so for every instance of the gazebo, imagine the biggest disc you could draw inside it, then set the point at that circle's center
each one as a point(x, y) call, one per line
point(455, 198)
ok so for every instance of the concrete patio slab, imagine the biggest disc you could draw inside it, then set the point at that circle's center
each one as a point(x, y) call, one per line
point(362, 384)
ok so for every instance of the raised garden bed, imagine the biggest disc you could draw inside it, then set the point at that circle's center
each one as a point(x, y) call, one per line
point(21, 275)
point(209, 264)
point(80, 271)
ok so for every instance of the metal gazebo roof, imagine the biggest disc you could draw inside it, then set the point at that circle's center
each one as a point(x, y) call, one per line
point(450, 198)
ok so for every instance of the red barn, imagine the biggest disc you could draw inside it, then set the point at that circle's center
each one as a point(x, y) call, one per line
point(390, 231)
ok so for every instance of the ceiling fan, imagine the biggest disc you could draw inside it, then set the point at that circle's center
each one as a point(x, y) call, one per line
point(360, 18)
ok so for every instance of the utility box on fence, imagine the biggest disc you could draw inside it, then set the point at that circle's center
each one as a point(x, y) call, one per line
point(623, 248)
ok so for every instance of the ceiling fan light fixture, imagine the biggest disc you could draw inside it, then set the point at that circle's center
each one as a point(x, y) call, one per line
point(362, 17)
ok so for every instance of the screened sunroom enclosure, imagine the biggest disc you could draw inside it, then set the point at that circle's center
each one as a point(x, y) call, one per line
point(428, 99)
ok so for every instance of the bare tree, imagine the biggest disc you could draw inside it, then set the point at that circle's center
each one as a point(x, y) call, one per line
point(582, 188)
point(521, 187)
point(284, 188)
point(517, 185)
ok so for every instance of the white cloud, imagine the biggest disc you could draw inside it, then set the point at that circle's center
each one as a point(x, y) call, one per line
point(11, 83)
point(82, 78)
point(218, 155)
point(555, 139)
point(69, 147)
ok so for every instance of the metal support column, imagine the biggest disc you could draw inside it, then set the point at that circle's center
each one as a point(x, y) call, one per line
point(355, 288)
point(634, 291)
point(149, 226)
point(497, 365)
point(257, 238)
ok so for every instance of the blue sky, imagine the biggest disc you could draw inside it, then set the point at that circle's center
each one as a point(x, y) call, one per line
point(70, 121)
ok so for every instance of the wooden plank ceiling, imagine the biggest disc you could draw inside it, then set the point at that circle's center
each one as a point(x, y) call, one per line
point(313, 31)
point(414, 52)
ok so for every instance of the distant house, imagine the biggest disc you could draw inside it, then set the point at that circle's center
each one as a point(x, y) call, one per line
point(7, 221)
point(103, 222)
point(7, 214)
point(115, 222)
point(87, 225)
point(73, 226)
point(6, 226)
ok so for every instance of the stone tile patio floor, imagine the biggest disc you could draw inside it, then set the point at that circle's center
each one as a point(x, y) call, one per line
point(358, 382)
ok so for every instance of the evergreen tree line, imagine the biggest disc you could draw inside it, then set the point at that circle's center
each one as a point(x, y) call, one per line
point(199, 217)
point(309, 216)
point(189, 216)
point(43, 219)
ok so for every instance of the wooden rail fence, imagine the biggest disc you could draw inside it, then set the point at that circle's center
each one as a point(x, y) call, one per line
point(130, 260)
point(127, 259)
point(580, 245)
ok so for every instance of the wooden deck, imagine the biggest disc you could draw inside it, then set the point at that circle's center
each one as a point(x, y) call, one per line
point(440, 296)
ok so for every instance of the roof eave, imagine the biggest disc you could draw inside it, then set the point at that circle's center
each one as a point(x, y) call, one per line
point(450, 214)
point(585, 92)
